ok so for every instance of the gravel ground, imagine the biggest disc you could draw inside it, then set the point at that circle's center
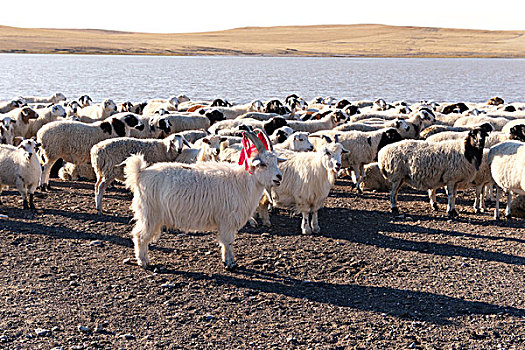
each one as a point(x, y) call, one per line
point(368, 281)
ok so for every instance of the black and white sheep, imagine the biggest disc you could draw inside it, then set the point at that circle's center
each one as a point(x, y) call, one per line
point(430, 165)
point(72, 140)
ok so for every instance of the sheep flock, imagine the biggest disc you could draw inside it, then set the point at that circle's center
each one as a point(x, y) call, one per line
point(212, 165)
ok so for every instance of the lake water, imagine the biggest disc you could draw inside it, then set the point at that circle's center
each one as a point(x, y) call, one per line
point(242, 79)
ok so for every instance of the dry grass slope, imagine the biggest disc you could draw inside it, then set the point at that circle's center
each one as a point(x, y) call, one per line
point(366, 40)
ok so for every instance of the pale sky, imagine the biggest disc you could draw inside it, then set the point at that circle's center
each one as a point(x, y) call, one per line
point(156, 16)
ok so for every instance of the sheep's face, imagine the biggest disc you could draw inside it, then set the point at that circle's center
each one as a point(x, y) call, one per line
point(58, 97)
point(257, 106)
point(58, 111)
point(301, 142)
point(85, 100)
point(331, 156)
point(29, 146)
point(401, 124)
point(282, 134)
point(28, 113)
point(183, 98)
point(73, 106)
point(517, 132)
point(109, 105)
point(174, 101)
point(176, 143)
point(6, 133)
point(264, 167)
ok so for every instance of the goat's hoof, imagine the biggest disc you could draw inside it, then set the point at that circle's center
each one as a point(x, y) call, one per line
point(508, 216)
point(230, 266)
point(395, 210)
point(316, 229)
point(435, 207)
point(43, 187)
point(453, 214)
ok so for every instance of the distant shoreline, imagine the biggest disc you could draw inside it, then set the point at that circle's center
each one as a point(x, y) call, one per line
point(340, 41)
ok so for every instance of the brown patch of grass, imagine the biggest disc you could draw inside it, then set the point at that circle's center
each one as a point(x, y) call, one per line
point(367, 40)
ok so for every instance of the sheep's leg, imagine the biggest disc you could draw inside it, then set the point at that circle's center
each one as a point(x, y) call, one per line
point(357, 173)
point(433, 200)
point(100, 187)
point(315, 223)
point(305, 224)
point(496, 208)
point(226, 237)
point(143, 233)
point(451, 206)
point(22, 189)
point(44, 182)
point(479, 200)
point(393, 196)
point(360, 178)
point(509, 202)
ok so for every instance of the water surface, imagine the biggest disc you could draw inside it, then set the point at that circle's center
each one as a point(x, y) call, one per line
point(242, 79)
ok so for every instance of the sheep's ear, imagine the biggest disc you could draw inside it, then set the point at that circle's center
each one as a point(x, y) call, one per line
point(206, 140)
point(344, 150)
point(184, 141)
point(17, 140)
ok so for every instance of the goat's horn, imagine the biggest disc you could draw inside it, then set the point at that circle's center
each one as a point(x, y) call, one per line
point(255, 140)
point(268, 142)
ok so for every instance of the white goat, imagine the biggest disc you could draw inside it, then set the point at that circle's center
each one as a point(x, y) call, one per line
point(197, 197)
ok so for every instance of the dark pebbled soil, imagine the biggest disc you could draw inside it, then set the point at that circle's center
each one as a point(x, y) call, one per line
point(368, 281)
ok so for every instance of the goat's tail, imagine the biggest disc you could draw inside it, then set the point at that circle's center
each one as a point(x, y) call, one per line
point(133, 166)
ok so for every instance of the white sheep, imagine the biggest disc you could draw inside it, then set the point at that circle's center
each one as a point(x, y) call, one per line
point(8, 106)
point(45, 116)
point(268, 126)
point(55, 98)
point(506, 165)
point(373, 179)
point(72, 140)
point(182, 122)
point(70, 171)
point(107, 158)
point(97, 112)
point(22, 117)
point(498, 122)
point(479, 182)
point(328, 122)
point(155, 105)
point(307, 180)
point(430, 165)
point(362, 148)
point(297, 142)
point(7, 131)
point(197, 197)
point(20, 168)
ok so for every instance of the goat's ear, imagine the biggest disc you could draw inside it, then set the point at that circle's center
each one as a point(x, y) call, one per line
point(280, 160)
point(257, 162)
